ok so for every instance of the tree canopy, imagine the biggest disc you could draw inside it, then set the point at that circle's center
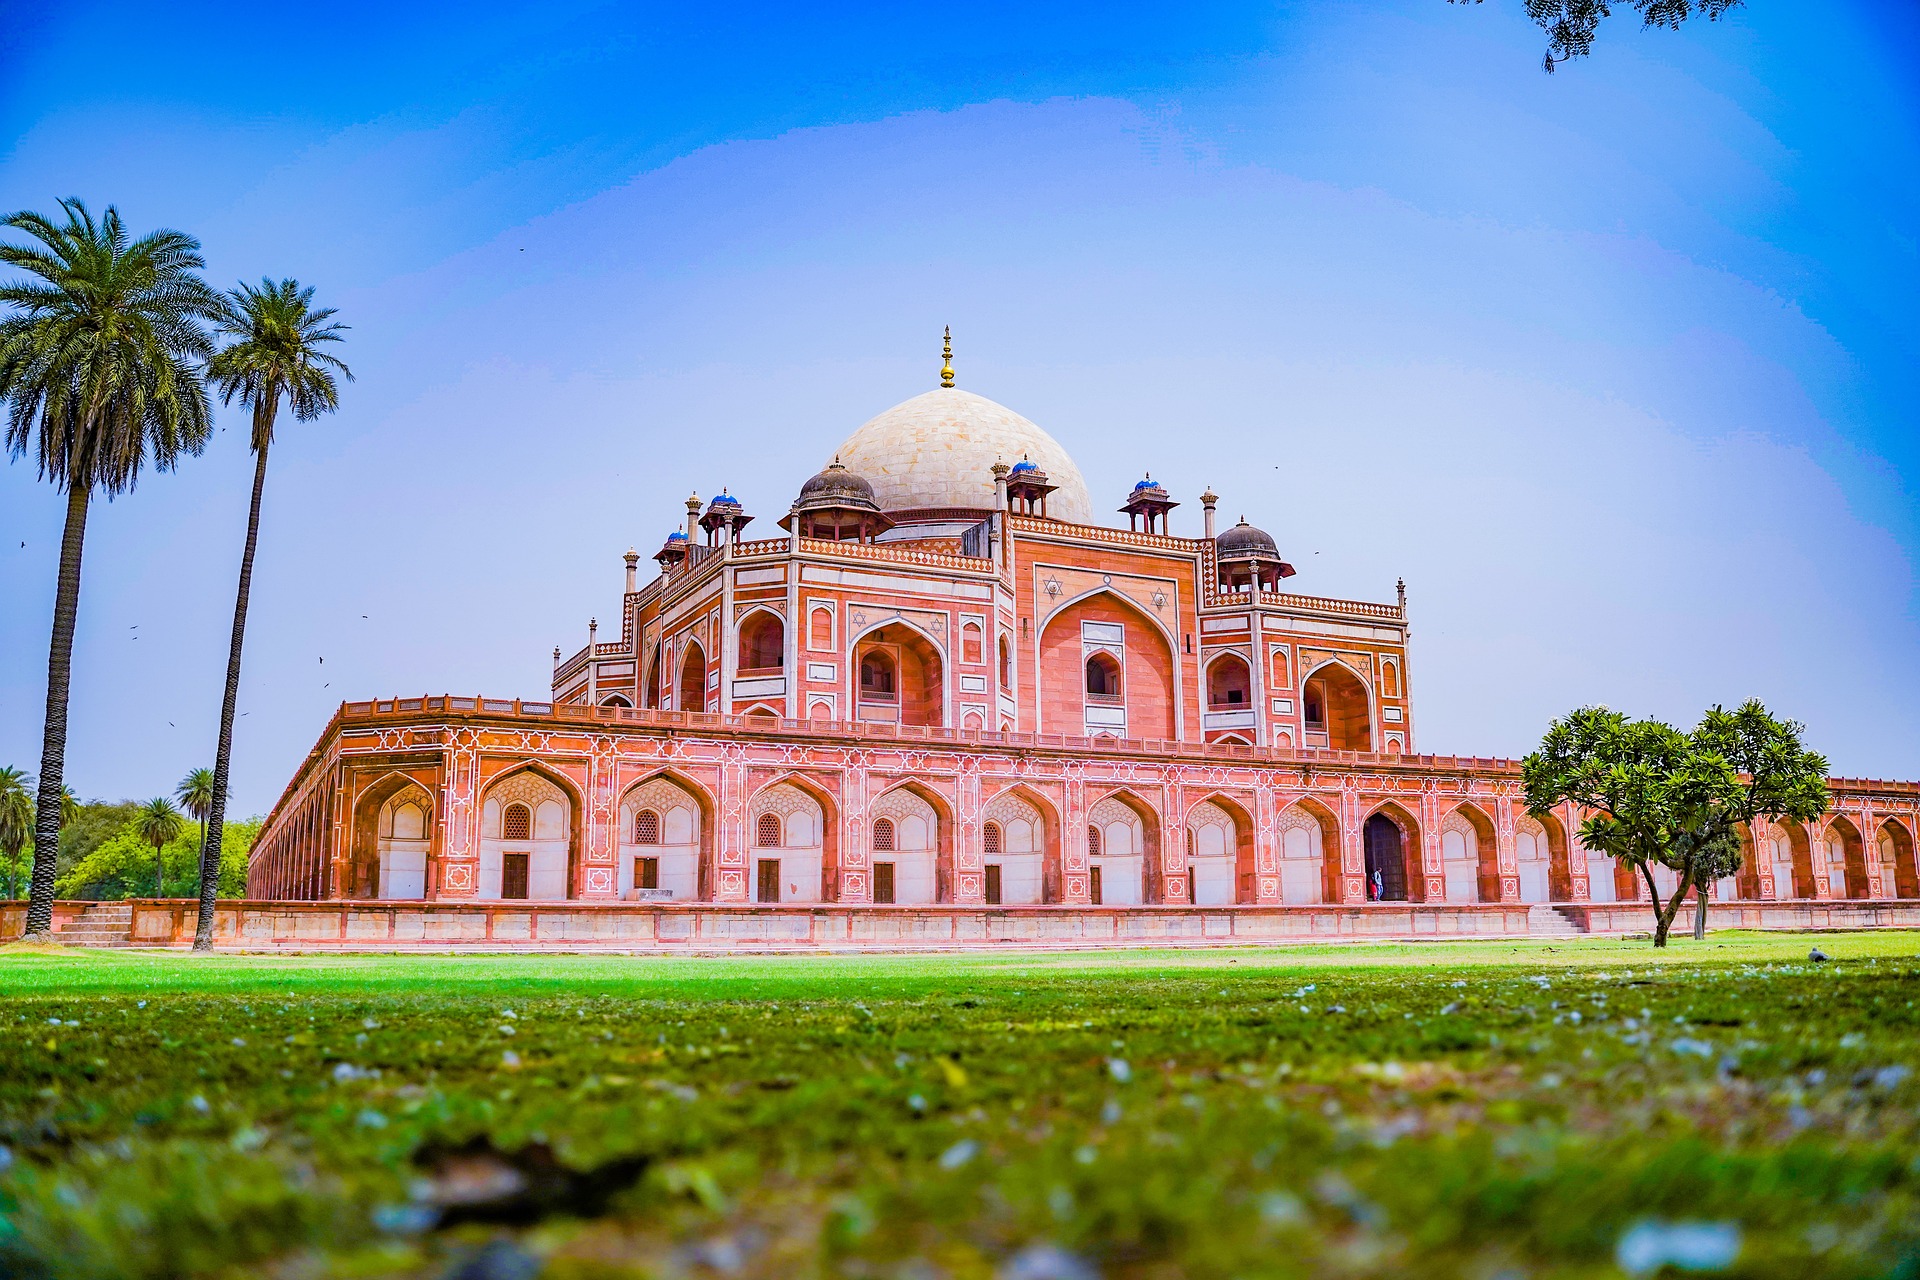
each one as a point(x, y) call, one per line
point(1572, 24)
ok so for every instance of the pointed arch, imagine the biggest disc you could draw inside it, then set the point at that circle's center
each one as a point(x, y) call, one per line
point(1792, 854)
point(1391, 840)
point(831, 875)
point(1479, 879)
point(940, 839)
point(707, 812)
point(1897, 862)
point(1149, 702)
point(653, 691)
point(762, 636)
point(916, 691)
point(1338, 707)
point(690, 686)
point(1151, 836)
point(1310, 870)
point(1229, 680)
point(570, 874)
point(372, 856)
point(1048, 839)
point(1847, 858)
point(1559, 858)
point(1244, 885)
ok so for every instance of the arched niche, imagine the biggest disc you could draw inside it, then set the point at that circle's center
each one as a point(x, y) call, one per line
point(692, 695)
point(1029, 853)
point(1220, 853)
point(1792, 852)
point(1897, 857)
point(382, 864)
point(541, 865)
point(795, 846)
point(1469, 857)
point(898, 676)
point(1847, 859)
point(763, 643)
point(1337, 708)
point(1229, 683)
point(1309, 848)
point(1129, 863)
point(1105, 621)
point(920, 846)
point(666, 837)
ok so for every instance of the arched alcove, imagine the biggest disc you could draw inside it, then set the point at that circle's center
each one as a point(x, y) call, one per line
point(692, 694)
point(1339, 714)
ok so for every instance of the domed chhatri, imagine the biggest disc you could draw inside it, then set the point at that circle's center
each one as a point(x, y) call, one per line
point(1249, 559)
point(836, 504)
point(938, 450)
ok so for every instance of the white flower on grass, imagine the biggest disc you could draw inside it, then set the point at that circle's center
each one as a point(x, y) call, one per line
point(959, 1153)
point(199, 1104)
point(1119, 1070)
point(371, 1119)
point(1649, 1245)
point(510, 1060)
point(1046, 1262)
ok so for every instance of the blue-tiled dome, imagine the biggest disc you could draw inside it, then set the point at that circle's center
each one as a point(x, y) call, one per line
point(676, 536)
point(1148, 483)
point(1023, 466)
point(724, 499)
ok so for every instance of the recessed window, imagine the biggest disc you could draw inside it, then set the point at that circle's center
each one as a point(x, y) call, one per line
point(883, 835)
point(990, 838)
point(1093, 842)
point(1103, 676)
point(876, 677)
point(516, 823)
point(767, 832)
point(646, 827)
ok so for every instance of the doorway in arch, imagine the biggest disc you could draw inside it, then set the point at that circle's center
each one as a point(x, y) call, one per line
point(1387, 856)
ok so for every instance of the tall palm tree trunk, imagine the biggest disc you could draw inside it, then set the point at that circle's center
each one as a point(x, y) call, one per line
point(217, 815)
point(53, 747)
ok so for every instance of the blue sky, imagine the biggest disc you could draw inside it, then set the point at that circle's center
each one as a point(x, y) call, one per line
point(1616, 367)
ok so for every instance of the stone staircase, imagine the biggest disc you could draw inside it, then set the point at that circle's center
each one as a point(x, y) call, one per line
point(1545, 921)
point(110, 924)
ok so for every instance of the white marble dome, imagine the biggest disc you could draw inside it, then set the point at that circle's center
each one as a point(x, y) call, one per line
point(938, 450)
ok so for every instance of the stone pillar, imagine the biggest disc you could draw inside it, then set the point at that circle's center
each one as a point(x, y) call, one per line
point(969, 880)
point(1174, 870)
point(599, 874)
point(732, 881)
point(1207, 502)
point(593, 663)
point(1577, 880)
point(1266, 848)
point(1817, 859)
point(1432, 869)
point(460, 871)
point(856, 878)
point(1508, 856)
point(633, 570)
point(693, 522)
point(1353, 849)
point(1075, 884)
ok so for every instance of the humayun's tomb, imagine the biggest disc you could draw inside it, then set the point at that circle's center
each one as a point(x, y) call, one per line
point(950, 705)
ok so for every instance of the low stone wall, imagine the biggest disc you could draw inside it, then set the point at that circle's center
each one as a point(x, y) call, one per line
point(13, 917)
point(1798, 913)
point(585, 926)
point(710, 927)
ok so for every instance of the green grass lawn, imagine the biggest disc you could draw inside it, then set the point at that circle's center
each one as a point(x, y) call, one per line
point(1483, 1110)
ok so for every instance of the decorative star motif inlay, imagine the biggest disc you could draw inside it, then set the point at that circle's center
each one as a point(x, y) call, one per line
point(1052, 586)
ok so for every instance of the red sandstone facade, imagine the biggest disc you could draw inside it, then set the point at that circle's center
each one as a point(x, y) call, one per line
point(946, 685)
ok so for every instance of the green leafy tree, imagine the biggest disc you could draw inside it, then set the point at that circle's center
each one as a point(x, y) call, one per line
point(1572, 24)
point(121, 865)
point(100, 352)
point(159, 824)
point(16, 824)
point(1778, 778)
point(195, 794)
point(277, 353)
point(1649, 792)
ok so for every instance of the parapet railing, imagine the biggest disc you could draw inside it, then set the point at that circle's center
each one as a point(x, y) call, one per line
point(1305, 604)
point(580, 713)
point(1100, 533)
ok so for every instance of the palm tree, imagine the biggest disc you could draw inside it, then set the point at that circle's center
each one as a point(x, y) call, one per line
point(16, 822)
point(99, 368)
point(195, 794)
point(276, 353)
point(158, 823)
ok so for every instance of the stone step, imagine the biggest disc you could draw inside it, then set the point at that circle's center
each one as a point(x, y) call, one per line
point(1548, 922)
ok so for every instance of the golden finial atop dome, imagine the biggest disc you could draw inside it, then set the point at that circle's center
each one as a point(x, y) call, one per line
point(946, 357)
